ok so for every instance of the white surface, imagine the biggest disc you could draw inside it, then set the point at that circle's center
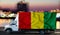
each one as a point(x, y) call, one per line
point(58, 15)
point(58, 25)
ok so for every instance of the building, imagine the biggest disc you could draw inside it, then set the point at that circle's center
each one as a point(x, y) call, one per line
point(22, 6)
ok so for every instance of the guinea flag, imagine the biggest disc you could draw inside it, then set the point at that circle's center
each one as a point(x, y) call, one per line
point(37, 20)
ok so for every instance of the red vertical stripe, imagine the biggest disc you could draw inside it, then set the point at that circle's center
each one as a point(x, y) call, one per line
point(25, 20)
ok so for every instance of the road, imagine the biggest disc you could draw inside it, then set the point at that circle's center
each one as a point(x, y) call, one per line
point(57, 32)
point(4, 33)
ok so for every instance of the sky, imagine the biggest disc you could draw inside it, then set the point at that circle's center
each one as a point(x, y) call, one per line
point(33, 4)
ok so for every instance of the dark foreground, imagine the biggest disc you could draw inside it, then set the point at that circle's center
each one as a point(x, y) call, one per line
point(16, 33)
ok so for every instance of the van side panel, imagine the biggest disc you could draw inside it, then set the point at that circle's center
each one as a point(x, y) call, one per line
point(50, 20)
point(37, 20)
point(24, 20)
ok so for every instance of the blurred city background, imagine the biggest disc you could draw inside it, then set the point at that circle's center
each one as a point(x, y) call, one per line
point(9, 9)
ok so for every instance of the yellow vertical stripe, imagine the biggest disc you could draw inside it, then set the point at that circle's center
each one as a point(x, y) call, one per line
point(37, 20)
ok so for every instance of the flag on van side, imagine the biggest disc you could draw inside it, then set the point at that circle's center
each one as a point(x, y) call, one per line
point(37, 20)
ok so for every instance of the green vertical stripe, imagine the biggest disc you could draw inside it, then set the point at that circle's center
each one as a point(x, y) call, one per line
point(49, 20)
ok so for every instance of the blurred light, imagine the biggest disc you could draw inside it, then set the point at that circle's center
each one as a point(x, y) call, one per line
point(57, 25)
point(4, 22)
point(54, 10)
point(58, 10)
